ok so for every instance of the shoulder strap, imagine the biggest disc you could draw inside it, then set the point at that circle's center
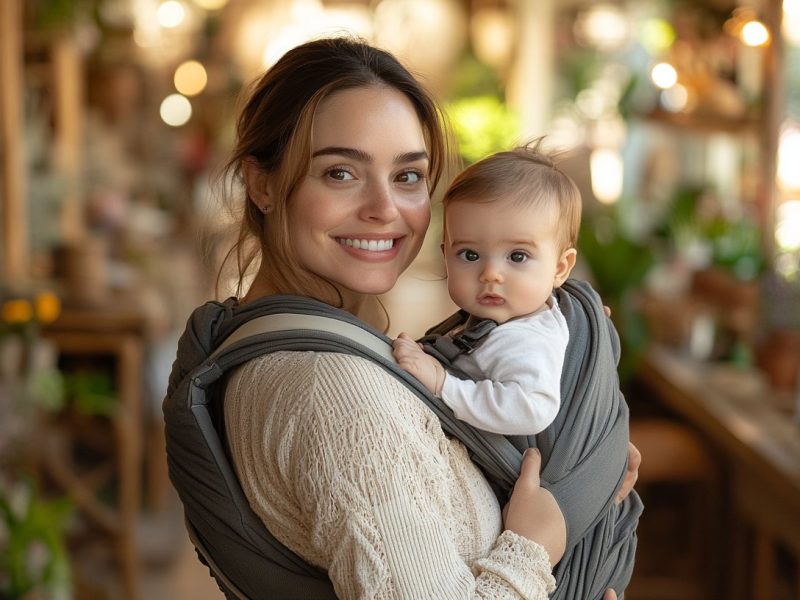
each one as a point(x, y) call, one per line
point(498, 457)
point(294, 322)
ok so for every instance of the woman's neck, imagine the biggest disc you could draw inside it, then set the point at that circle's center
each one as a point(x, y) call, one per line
point(364, 306)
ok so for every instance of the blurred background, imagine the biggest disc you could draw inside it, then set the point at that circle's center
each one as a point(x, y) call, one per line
point(682, 125)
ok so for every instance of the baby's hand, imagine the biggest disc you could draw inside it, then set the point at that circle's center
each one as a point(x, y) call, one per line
point(413, 359)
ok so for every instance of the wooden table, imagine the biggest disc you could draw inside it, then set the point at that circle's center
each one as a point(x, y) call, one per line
point(118, 331)
point(757, 430)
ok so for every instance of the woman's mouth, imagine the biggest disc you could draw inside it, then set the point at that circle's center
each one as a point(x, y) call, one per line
point(368, 245)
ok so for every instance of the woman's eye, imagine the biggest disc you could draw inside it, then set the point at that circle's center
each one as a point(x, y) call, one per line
point(468, 255)
point(518, 257)
point(410, 177)
point(340, 174)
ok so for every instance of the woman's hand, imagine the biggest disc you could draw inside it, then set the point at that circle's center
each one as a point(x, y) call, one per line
point(532, 512)
point(634, 460)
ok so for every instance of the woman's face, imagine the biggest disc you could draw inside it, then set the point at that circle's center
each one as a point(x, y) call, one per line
point(359, 216)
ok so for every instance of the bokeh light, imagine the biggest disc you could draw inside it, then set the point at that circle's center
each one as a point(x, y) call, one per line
point(171, 14)
point(755, 33)
point(664, 75)
point(190, 78)
point(787, 226)
point(176, 110)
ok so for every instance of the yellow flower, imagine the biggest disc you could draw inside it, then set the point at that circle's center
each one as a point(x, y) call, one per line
point(48, 307)
point(17, 311)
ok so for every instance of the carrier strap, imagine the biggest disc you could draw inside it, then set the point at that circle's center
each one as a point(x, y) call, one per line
point(292, 321)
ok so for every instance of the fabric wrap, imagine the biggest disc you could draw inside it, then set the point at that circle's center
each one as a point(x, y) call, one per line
point(584, 451)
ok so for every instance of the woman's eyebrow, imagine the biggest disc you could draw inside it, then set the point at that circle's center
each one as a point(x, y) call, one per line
point(411, 157)
point(362, 156)
point(353, 153)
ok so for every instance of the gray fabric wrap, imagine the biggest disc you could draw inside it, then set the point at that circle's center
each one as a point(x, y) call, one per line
point(584, 451)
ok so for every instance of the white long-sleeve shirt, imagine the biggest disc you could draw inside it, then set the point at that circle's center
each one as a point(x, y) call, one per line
point(515, 385)
point(351, 471)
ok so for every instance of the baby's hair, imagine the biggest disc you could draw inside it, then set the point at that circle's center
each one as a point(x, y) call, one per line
point(527, 175)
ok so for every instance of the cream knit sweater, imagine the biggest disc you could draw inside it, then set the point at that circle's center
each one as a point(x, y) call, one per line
point(352, 472)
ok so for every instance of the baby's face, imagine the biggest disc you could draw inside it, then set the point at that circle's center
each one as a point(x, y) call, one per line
point(503, 258)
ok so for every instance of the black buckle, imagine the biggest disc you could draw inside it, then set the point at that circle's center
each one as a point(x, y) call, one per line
point(471, 338)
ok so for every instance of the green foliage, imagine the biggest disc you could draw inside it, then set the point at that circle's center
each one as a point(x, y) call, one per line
point(33, 557)
point(735, 245)
point(482, 125)
point(619, 265)
point(56, 14)
point(91, 392)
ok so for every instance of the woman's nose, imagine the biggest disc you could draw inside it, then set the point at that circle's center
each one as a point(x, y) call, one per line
point(379, 204)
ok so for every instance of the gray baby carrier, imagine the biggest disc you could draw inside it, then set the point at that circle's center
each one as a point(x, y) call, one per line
point(584, 452)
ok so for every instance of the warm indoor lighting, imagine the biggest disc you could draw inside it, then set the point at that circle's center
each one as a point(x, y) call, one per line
point(210, 4)
point(190, 78)
point(603, 26)
point(664, 75)
point(788, 151)
point(492, 34)
point(787, 226)
point(606, 172)
point(791, 21)
point(755, 33)
point(675, 98)
point(171, 14)
point(176, 110)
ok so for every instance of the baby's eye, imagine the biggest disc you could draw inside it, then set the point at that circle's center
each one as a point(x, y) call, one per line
point(518, 257)
point(410, 176)
point(339, 174)
point(468, 255)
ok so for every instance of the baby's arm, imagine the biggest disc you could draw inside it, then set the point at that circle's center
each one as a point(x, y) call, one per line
point(413, 359)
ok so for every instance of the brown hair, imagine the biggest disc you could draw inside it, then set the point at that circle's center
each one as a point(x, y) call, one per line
point(274, 130)
point(526, 175)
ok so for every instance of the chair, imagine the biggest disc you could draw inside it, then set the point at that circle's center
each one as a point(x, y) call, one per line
point(677, 558)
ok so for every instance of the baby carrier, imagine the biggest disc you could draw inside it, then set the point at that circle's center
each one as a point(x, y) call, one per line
point(583, 452)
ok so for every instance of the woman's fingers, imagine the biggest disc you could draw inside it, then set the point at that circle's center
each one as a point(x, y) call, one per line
point(529, 479)
point(610, 595)
point(632, 474)
point(533, 512)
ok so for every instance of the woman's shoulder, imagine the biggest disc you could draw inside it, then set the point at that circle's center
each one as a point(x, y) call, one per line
point(306, 383)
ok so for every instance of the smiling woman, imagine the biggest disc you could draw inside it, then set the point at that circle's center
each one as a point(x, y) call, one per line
point(339, 147)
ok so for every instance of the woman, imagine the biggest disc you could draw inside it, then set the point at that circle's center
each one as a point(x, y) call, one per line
point(339, 147)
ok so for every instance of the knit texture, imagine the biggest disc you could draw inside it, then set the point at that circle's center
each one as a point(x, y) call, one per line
point(352, 472)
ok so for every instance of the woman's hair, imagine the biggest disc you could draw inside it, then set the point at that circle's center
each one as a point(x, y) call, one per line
point(526, 175)
point(274, 131)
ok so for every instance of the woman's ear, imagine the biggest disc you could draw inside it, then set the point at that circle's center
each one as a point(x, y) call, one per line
point(565, 265)
point(257, 182)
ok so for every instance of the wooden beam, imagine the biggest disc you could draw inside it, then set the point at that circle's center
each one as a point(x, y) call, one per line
point(12, 153)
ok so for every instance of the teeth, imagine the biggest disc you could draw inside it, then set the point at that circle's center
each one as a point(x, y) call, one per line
point(370, 245)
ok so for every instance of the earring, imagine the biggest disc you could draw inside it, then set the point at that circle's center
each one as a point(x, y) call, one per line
point(265, 209)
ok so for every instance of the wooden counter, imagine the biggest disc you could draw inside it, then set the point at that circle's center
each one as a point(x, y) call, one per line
point(756, 430)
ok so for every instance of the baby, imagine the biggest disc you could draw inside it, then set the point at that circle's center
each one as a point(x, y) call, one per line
point(511, 224)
